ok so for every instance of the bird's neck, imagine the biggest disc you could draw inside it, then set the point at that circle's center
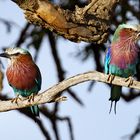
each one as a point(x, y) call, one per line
point(21, 60)
point(124, 35)
point(125, 44)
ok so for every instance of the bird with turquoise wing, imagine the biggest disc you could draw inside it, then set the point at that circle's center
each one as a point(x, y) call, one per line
point(23, 74)
point(122, 57)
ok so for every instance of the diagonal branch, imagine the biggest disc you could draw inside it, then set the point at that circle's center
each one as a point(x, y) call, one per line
point(52, 94)
point(68, 120)
point(41, 125)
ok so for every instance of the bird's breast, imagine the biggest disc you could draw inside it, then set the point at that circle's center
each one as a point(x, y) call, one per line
point(22, 76)
point(122, 58)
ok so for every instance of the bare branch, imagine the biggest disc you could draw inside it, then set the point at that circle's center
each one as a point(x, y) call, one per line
point(89, 23)
point(52, 93)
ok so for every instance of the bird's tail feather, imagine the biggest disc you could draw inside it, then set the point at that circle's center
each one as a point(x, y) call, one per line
point(35, 110)
point(115, 96)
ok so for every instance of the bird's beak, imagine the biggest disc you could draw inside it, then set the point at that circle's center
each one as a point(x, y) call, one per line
point(14, 1)
point(138, 32)
point(5, 55)
point(138, 35)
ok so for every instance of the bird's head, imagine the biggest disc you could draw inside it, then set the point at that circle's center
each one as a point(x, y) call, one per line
point(15, 54)
point(127, 31)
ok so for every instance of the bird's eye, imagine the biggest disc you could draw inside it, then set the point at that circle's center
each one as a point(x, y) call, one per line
point(16, 54)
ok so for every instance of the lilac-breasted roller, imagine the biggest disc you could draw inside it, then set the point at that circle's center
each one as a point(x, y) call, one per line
point(122, 56)
point(23, 74)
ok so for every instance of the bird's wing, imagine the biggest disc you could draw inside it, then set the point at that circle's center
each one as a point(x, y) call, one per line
point(107, 60)
point(38, 80)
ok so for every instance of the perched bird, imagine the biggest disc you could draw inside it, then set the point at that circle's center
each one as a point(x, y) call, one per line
point(23, 74)
point(122, 56)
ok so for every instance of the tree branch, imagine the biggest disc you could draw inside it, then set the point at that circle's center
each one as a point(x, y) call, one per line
point(52, 94)
point(89, 23)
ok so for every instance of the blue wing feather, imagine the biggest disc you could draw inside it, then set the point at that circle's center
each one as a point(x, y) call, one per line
point(39, 80)
point(107, 60)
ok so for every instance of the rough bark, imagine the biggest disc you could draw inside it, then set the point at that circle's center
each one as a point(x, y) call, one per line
point(90, 23)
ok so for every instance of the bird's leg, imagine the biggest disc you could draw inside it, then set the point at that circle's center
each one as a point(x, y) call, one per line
point(15, 100)
point(31, 97)
point(130, 79)
point(110, 78)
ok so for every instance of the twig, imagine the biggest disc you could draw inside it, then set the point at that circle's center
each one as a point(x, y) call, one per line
point(50, 94)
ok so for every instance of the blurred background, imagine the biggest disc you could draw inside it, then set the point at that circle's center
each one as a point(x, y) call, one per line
point(85, 115)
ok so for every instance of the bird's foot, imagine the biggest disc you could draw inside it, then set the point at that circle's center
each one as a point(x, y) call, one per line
point(110, 78)
point(130, 80)
point(15, 100)
point(31, 97)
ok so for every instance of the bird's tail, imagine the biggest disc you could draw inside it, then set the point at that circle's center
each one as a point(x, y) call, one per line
point(35, 110)
point(115, 96)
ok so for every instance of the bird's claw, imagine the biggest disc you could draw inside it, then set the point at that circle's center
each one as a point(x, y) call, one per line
point(110, 78)
point(15, 100)
point(31, 98)
point(130, 79)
